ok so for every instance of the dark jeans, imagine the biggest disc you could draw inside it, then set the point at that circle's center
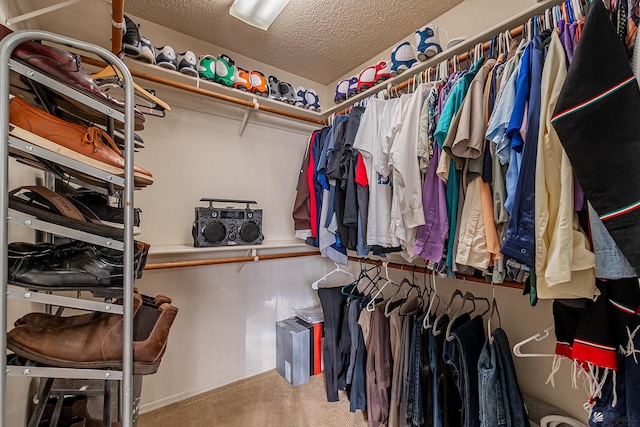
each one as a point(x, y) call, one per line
point(461, 354)
point(333, 303)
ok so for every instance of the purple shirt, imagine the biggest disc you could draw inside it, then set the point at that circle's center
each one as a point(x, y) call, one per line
point(431, 236)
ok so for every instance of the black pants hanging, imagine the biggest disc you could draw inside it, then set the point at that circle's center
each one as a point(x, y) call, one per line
point(333, 303)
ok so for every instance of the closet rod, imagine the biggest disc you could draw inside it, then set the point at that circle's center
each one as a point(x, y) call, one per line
point(188, 88)
point(201, 262)
point(410, 269)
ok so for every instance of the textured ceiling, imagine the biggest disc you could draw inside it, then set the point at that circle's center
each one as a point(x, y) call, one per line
point(320, 40)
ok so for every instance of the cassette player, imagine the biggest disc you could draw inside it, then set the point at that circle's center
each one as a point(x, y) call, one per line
point(227, 226)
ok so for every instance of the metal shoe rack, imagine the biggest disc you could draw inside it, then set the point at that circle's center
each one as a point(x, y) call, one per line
point(125, 376)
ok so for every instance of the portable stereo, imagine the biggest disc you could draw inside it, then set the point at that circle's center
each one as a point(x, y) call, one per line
point(227, 226)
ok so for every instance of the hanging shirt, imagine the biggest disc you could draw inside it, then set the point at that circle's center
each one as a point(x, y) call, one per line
point(564, 264)
point(366, 141)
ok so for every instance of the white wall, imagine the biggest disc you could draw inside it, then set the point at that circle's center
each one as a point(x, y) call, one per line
point(225, 328)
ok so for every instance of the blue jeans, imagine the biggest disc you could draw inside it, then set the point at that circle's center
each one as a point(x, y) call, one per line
point(415, 413)
point(462, 354)
point(437, 370)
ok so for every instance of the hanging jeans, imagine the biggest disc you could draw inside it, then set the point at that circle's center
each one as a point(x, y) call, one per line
point(333, 303)
point(461, 354)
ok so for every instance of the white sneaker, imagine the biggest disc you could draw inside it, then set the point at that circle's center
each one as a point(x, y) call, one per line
point(166, 57)
point(146, 51)
point(187, 63)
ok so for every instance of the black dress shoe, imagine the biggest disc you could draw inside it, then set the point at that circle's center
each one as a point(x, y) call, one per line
point(99, 204)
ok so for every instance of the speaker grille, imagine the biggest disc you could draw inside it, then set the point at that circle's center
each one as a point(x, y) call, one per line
point(250, 231)
point(215, 232)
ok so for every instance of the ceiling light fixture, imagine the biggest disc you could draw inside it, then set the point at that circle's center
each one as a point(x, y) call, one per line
point(259, 13)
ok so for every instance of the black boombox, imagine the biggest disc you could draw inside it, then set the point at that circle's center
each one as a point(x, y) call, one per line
point(227, 226)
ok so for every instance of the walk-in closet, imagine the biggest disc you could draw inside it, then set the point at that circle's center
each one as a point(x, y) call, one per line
point(319, 213)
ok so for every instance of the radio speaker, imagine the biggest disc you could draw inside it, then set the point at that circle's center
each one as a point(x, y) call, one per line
point(227, 226)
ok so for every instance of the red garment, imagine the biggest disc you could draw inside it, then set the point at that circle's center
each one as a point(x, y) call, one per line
point(361, 172)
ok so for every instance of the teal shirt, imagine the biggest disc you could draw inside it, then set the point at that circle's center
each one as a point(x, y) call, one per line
point(450, 108)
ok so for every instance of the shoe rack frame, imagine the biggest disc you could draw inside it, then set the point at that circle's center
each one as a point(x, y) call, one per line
point(7, 45)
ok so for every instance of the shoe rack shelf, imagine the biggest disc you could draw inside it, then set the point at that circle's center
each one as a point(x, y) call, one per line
point(16, 144)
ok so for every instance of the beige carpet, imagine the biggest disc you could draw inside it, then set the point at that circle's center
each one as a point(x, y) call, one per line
point(263, 400)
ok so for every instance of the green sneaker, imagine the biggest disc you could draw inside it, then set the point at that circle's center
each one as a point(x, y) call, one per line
point(207, 67)
point(225, 70)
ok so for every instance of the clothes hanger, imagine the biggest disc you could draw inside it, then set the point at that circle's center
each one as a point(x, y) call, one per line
point(494, 310)
point(456, 293)
point(559, 420)
point(391, 304)
point(468, 296)
point(371, 304)
point(536, 337)
point(112, 73)
point(314, 285)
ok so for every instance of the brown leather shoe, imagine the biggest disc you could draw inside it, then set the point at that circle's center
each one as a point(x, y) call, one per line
point(67, 69)
point(46, 320)
point(95, 345)
point(90, 145)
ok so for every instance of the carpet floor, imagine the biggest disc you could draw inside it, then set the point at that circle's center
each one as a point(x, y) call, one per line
point(262, 400)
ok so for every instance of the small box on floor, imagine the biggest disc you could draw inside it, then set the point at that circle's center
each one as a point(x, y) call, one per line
point(316, 331)
point(292, 351)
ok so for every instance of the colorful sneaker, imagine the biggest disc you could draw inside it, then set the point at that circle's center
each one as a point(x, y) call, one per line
point(187, 63)
point(313, 100)
point(286, 93)
point(146, 51)
point(259, 84)
point(367, 78)
point(242, 80)
point(166, 57)
point(130, 38)
point(274, 88)
point(402, 58)
point(225, 70)
point(383, 70)
point(353, 86)
point(428, 42)
point(301, 97)
point(341, 91)
point(207, 67)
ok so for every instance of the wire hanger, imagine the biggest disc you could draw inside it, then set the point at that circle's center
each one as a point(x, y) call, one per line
point(371, 304)
point(536, 337)
point(338, 269)
point(111, 73)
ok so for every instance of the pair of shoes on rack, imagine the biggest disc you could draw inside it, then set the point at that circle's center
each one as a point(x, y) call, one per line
point(73, 265)
point(220, 70)
point(281, 91)
point(184, 62)
point(405, 56)
point(98, 343)
point(307, 98)
point(89, 145)
point(66, 69)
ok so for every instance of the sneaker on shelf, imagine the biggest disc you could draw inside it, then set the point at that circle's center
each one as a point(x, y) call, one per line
point(166, 57)
point(146, 51)
point(313, 100)
point(428, 42)
point(353, 86)
point(207, 67)
point(225, 70)
point(242, 80)
point(286, 93)
point(383, 70)
point(402, 58)
point(130, 38)
point(301, 97)
point(259, 85)
point(187, 63)
point(367, 78)
point(274, 88)
point(341, 91)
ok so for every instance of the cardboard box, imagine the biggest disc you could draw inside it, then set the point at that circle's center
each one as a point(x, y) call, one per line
point(292, 351)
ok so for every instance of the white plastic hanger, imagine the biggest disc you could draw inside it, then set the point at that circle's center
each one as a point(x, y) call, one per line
point(557, 420)
point(434, 294)
point(536, 337)
point(314, 285)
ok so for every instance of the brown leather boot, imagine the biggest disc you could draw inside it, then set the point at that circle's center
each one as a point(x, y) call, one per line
point(53, 321)
point(89, 145)
point(97, 344)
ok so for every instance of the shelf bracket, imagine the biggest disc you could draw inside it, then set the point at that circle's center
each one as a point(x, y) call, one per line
point(247, 113)
point(9, 22)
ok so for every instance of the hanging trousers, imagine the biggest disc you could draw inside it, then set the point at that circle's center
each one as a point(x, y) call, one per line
point(333, 303)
